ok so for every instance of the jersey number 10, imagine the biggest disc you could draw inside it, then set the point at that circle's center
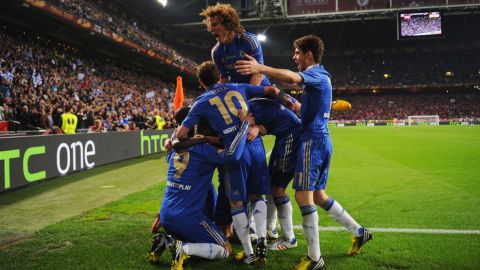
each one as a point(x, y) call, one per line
point(228, 100)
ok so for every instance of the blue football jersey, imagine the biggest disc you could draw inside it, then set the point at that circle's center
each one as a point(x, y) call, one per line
point(190, 175)
point(316, 100)
point(225, 56)
point(276, 118)
point(219, 106)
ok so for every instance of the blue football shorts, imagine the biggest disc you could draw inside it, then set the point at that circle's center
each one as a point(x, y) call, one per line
point(249, 175)
point(282, 160)
point(194, 228)
point(313, 163)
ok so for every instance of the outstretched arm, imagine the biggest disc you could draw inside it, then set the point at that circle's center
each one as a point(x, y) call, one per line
point(251, 66)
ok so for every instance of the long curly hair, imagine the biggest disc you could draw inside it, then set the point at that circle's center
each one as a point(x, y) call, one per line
point(227, 14)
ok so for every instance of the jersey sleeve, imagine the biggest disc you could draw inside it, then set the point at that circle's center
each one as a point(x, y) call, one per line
point(253, 91)
point(235, 151)
point(253, 47)
point(310, 77)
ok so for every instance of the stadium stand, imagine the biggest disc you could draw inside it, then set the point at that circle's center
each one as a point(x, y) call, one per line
point(383, 80)
point(40, 77)
point(109, 16)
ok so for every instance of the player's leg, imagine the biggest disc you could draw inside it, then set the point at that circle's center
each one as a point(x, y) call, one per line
point(272, 231)
point(196, 235)
point(258, 185)
point(223, 216)
point(282, 172)
point(272, 213)
point(304, 184)
point(334, 209)
point(211, 203)
point(242, 228)
point(235, 178)
point(285, 216)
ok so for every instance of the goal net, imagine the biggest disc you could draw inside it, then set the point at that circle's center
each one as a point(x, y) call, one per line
point(423, 120)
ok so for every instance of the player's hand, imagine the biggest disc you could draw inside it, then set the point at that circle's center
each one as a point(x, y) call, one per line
point(286, 100)
point(247, 67)
point(168, 145)
point(249, 118)
point(252, 132)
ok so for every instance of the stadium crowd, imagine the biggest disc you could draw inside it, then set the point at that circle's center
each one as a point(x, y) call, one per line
point(449, 106)
point(114, 19)
point(40, 79)
point(401, 67)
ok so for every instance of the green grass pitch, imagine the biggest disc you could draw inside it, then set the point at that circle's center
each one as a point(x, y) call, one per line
point(408, 178)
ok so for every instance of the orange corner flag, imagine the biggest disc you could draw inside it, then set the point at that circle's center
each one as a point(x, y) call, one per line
point(178, 100)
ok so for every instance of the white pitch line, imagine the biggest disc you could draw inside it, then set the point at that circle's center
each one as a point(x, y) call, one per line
point(399, 230)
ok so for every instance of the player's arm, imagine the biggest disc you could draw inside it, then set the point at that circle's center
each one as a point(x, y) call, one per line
point(296, 104)
point(255, 50)
point(272, 91)
point(285, 99)
point(189, 122)
point(182, 133)
point(235, 150)
point(182, 146)
point(256, 79)
point(251, 66)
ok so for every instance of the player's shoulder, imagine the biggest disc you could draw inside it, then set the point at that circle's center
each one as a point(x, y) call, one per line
point(315, 72)
point(319, 69)
point(200, 99)
point(249, 38)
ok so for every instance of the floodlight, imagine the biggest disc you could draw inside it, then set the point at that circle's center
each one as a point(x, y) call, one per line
point(162, 2)
point(262, 37)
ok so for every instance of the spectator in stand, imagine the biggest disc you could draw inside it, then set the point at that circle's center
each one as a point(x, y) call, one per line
point(26, 119)
point(97, 127)
point(69, 121)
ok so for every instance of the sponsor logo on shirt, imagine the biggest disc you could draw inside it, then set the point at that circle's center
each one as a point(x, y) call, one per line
point(179, 186)
point(229, 130)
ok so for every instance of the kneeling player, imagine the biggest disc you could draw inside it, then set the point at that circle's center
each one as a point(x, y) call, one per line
point(189, 179)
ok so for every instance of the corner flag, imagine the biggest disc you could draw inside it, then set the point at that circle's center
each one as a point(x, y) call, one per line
point(178, 100)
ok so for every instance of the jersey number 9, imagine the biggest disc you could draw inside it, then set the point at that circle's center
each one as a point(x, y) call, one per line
point(180, 162)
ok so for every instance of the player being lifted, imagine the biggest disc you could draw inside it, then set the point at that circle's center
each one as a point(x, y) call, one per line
point(233, 42)
point(315, 150)
point(219, 105)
